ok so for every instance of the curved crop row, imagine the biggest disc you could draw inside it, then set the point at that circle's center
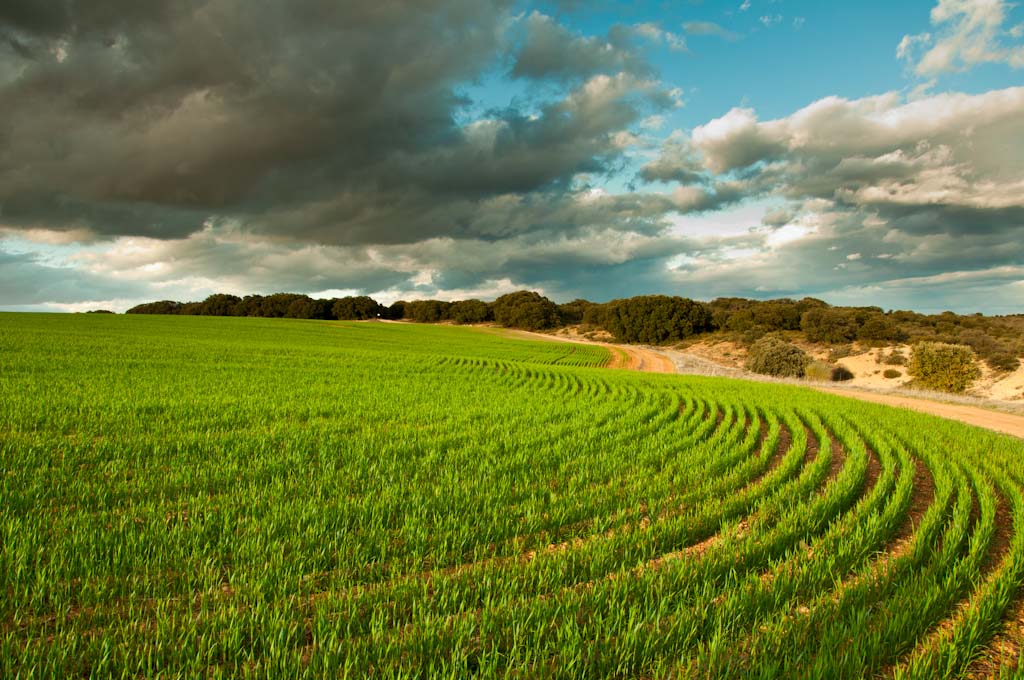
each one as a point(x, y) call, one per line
point(360, 500)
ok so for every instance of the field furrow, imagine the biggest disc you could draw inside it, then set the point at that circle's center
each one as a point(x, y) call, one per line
point(273, 498)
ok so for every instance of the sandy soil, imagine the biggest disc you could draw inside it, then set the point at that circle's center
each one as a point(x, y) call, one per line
point(868, 371)
point(1006, 386)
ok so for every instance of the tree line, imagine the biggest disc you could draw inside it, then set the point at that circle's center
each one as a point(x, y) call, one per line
point(649, 319)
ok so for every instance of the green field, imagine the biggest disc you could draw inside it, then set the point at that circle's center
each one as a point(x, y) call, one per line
point(221, 497)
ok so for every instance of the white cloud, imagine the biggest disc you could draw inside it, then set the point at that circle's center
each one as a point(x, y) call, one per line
point(948, 149)
point(969, 33)
point(709, 28)
point(656, 34)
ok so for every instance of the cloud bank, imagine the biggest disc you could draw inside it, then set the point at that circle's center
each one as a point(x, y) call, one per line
point(153, 150)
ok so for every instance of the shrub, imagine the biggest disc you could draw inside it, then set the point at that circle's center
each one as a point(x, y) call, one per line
point(841, 374)
point(879, 329)
point(752, 335)
point(818, 370)
point(891, 373)
point(773, 356)
point(829, 325)
point(982, 343)
point(397, 310)
point(308, 308)
point(574, 312)
point(526, 309)
point(840, 352)
point(219, 304)
point(896, 359)
point(357, 308)
point(470, 311)
point(656, 319)
point(427, 311)
point(1002, 361)
point(938, 366)
point(161, 307)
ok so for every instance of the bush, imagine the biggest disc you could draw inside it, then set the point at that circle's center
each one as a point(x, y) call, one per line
point(357, 308)
point(896, 359)
point(470, 311)
point(773, 356)
point(1002, 361)
point(891, 373)
point(574, 312)
point(427, 311)
point(829, 325)
point(161, 307)
point(840, 352)
point(656, 319)
point(526, 309)
point(938, 366)
point(396, 311)
point(818, 370)
point(841, 374)
point(879, 329)
point(219, 304)
point(308, 308)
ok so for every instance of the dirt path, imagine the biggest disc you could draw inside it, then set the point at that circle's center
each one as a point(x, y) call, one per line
point(642, 359)
point(627, 357)
point(1006, 423)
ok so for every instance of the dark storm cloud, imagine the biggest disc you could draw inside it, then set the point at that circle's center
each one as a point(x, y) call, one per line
point(321, 121)
point(550, 50)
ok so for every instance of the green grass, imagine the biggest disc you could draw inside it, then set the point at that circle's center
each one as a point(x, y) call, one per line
point(218, 497)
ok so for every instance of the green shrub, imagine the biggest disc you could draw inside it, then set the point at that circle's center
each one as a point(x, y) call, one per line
point(427, 311)
point(656, 319)
point(526, 309)
point(891, 373)
point(818, 370)
point(1002, 361)
point(357, 308)
point(773, 356)
point(840, 352)
point(944, 367)
point(829, 325)
point(470, 311)
point(897, 358)
point(841, 374)
point(879, 330)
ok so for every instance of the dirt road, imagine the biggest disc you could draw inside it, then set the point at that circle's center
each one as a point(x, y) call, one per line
point(1007, 423)
point(624, 357)
point(642, 359)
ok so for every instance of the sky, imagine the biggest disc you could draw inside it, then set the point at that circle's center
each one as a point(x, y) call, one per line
point(867, 153)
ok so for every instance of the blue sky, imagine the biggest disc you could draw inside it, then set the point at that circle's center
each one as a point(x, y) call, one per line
point(866, 153)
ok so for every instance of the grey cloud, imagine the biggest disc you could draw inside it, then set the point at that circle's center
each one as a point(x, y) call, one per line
point(549, 50)
point(158, 118)
point(677, 161)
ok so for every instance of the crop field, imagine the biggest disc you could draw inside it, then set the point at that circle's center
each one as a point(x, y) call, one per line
point(222, 497)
